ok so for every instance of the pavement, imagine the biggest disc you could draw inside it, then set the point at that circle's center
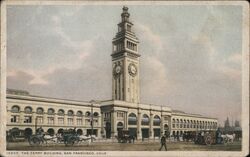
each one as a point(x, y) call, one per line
point(112, 145)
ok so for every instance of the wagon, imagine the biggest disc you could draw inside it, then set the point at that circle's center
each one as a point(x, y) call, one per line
point(206, 137)
point(70, 138)
point(124, 137)
point(15, 135)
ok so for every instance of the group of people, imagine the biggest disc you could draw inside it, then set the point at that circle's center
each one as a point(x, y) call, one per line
point(40, 131)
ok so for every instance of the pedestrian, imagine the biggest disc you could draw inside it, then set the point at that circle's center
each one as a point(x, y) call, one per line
point(163, 142)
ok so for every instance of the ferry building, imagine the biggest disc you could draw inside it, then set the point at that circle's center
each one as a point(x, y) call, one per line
point(106, 118)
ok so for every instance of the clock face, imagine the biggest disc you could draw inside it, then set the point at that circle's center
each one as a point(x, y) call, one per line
point(132, 69)
point(117, 70)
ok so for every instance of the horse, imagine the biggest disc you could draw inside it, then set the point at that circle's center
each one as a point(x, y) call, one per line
point(224, 138)
point(230, 138)
point(53, 139)
point(83, 138)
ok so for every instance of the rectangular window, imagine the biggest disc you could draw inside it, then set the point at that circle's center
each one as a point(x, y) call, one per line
point(107, 115)
point(173, 125)
point(60, 121)
point(50, 120)
point(15, 119)
point(39, 120)
point(120, 114)
point(70, 121)
point(79, 121)
point(87, 121)
point(27, 119)
point(95, 122)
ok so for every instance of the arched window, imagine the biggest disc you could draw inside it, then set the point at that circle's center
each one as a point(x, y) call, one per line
point(39, 110)
point(132, 119)
point(28, 109)
point(181, 125)
point(119, 125)
point(87, 114)
point(145, 120)
point(79, 113)
point(184, 126)
point(61, 112)
point(96, 114)
point(157, 120)
point(15, 109)
point(51, 111)
point(70, 113)
point(177, 123)
point(173, 123)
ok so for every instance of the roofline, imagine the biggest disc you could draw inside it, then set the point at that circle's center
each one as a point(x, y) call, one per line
point(50, 100)
point(192, 115)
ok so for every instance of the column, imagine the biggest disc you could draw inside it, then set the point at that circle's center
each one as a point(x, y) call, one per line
point(65, 120)
point(139, 135)
point(45, 121)
point(74, 120)
point(151, 130)
point(126, 120)
point(170, 124)
point(102, 125)
point(55, 120)
point(162, 125)
point(113, 124)
point(21, 118)
point(33, 119)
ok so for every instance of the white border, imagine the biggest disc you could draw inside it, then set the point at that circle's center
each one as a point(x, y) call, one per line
point(245, 73)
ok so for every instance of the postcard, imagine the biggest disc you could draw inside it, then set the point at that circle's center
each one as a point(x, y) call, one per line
point(124, 78)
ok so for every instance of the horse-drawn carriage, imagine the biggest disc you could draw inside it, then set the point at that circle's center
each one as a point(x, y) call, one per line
point(67, 137)
point(70, 137)
point(124, 137)
point(205, 137)
point(15, 134)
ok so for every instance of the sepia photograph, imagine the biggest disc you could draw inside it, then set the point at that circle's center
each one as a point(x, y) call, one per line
point(124, 78)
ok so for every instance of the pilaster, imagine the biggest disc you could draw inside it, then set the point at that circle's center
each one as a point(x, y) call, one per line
point(139, 135)
point(113, 124)
point(102, 124)
point(151, 130)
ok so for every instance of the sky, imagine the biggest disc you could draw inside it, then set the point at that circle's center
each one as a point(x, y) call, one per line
point(190, 55)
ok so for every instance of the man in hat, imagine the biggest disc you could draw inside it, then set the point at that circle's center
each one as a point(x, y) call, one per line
point(163, 142)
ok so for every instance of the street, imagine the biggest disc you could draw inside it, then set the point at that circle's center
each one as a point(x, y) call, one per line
point(137, 146)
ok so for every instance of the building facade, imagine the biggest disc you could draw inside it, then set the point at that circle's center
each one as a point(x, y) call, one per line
point(106, 118)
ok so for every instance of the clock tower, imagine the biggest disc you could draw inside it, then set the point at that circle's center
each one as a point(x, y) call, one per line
point(125, 62)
